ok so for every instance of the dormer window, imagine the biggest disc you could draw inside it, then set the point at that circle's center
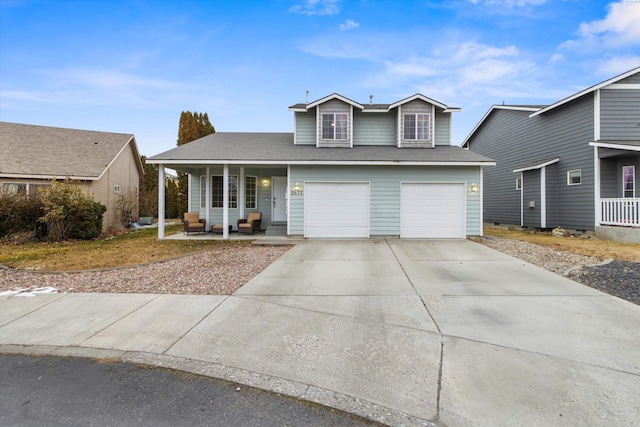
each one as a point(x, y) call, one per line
point(335, 126)
point(417, 127)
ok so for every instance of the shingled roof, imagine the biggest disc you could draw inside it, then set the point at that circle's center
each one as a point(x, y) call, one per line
point(30, 151)
point(278, 148)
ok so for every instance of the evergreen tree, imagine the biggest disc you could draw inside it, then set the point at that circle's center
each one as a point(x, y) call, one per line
point(192, 126)
point(148, 197)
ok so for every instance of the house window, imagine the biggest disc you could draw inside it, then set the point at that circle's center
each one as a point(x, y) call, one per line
point(518, 183)
point(14, 188)
point(574, 177)
point(203, 191)
point(334, 126)
point(250, 192)
point(628, 181)
point(34, 188)
point(217, 194)
point(117, 189)
point(416, 127)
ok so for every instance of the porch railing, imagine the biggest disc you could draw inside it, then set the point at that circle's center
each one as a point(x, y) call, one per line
point(624, 212)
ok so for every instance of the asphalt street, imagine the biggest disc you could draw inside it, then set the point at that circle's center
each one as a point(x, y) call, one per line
point(54, 391)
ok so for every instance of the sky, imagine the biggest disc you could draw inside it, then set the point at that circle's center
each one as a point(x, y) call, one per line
point(134, 66)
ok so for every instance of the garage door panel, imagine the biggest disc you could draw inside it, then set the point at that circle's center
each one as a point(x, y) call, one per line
point(336, 210)
point(433, 211)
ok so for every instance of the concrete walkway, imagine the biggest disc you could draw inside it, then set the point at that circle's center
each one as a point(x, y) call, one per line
point(404, 332)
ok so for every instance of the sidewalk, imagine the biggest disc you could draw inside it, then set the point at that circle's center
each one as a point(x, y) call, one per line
point(403, 332)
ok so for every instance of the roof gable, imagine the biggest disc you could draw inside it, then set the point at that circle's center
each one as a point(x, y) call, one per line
point(335, 96)
point(31, 151)
point(587, 91)
point(529, 108)
point(420, 97)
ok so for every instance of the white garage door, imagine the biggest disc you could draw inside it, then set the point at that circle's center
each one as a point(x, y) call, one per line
point(336, 209)
point(433, 211)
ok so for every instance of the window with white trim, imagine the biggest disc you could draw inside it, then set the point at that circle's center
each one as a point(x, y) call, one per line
point(518, 183)
point(117, 189)
point(416, 127)
point(574, 177)
point(217, 191)
point(628, 181)
point(251, 192)
point(17, 188)
point(203, 191)
point(335, 126)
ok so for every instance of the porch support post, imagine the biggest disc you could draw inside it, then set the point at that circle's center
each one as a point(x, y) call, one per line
point(189, 204)
point(543, 197)
point(289, 199)
point(596, 187)
point(161, 179)
point(241, 192)
point(481, 201)
point(225, 202)
point(207, 198)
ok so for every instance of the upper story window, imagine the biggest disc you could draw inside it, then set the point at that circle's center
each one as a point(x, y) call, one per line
point(628, 181)
point(335, 126)
point(417, 127)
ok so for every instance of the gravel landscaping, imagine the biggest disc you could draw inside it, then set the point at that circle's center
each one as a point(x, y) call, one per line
point(222, 271)
point(618, 278)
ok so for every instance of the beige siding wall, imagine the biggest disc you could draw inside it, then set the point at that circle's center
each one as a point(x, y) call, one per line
point(123, 173)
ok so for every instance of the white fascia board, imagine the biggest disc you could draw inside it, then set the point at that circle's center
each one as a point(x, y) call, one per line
point(124, 147)
point(625, 86)
point(588, 90)
point(421, 97)
point(375, 110)
point(72, 177)
point(538, 166)
point(489, 111)
point(615, 146)
point(298, 110)
point(167, 163)
point(335, 96)
point(452, 110)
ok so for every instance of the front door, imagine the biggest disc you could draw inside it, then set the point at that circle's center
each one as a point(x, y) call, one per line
point(279, 198)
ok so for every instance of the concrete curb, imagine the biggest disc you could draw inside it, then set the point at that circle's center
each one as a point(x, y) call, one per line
point(301, 391)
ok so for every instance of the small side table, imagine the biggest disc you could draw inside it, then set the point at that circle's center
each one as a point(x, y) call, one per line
point(218, 228)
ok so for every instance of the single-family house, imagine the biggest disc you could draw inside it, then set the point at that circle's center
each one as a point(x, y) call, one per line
point(349, 170)
point(571, 164)
point(104, 164)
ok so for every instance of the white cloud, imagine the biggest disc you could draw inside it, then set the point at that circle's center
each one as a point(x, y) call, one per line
point(617, 65)
point(349, 24)
point(316, 7)
point(509, 3)
point(621, 27)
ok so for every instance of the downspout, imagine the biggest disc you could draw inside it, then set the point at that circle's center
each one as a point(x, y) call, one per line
point(161, 178)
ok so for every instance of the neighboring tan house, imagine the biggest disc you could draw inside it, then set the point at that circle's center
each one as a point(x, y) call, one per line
point(573, 164)
point(104, 164)
point(349, 170)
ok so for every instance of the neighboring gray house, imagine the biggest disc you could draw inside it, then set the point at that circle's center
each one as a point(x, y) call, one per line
point(349, 170)
point(572, 164)
point(104, 164)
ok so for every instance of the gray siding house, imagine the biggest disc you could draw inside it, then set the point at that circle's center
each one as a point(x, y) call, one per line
point(571, 164)
point(348, 170)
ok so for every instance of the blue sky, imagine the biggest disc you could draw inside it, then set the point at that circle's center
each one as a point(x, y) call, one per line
point(133, 66)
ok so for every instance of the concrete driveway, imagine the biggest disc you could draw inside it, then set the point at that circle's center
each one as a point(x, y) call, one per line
point(405, 332)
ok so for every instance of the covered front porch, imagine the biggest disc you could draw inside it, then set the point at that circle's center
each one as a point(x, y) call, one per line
point(222, 194)
point(616, 194)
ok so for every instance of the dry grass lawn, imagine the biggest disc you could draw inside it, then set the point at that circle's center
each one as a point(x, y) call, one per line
point(590, 247)
point(138, 247)
point(142, 246)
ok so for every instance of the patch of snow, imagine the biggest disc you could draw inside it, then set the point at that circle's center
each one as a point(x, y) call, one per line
point(25, 292)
